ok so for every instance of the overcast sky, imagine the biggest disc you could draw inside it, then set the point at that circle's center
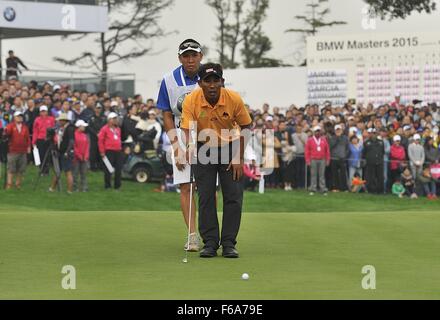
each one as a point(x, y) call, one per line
point(193, 18)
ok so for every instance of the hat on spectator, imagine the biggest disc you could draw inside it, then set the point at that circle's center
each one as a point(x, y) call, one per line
point(98, 106)
point(50, 83)
point(407, 128)
point(152, 112)
point(18, 113)
point(338, 127)
point(63, 117)
point(371, 130)
point(112, 115)
point(269, 118)
point(332, 118)
point(397, 138)
point(317, 128)
point(397, 94)
point(56, 87)
point(81, 123)
point(417, 137)
point(43, 108)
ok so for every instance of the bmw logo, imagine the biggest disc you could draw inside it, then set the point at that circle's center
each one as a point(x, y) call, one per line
point(9, 14)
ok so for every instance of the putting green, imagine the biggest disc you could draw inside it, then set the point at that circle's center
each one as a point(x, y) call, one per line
point(138, 255)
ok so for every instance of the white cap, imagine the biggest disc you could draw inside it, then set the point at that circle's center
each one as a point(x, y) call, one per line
point(371, 130)
point(269, 118)
point(18, 113)
point(50, 83)
point(152, 112)
point(112, 115)
point(397, 94)
point(56, 87)
point(332, 118)
point(317, 128)
point(406, 128)
point(114, 104)
point(81, 123)
point(338, 127)
point(417, 137)
point(397, 138)
point(43, 108)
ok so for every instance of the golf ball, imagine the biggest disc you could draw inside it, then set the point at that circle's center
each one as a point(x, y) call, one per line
point(245, 276)
point(185, 260)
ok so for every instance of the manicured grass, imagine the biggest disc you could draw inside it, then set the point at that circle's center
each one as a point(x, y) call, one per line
point(138, 197)
point(134, 255)
point(129, 245)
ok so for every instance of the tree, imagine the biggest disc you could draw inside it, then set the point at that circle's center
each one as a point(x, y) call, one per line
point(400, 9)
point(314, 19)
point(132, 22)
point(238, 21)
point(255, 48)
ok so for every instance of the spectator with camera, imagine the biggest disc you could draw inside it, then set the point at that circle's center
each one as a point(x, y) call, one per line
point(64, 140)
point(39, 134)
point(17, 135)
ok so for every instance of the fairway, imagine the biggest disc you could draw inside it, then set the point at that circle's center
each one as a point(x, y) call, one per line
point(138, 255)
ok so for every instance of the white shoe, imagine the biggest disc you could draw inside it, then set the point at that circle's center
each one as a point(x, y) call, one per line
point(193, 245)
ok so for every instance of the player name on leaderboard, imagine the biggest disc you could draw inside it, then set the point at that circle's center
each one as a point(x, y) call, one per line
point(408, 64)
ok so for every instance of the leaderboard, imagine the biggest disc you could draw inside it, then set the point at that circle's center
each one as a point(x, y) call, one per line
point(373, 68)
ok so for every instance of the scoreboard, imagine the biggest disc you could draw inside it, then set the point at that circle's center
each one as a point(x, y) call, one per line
point(372, 68)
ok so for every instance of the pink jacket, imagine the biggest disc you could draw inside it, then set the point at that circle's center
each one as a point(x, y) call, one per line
point(311, 150)
point(41, 124)
point(81, 146)
point(109, 140)
point(397, 156)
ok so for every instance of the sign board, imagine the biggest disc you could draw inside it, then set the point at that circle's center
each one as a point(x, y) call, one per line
point(375, 67)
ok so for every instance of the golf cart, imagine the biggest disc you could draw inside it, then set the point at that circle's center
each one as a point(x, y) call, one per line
point(143, 164)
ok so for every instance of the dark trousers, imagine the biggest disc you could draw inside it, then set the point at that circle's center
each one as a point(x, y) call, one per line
point(375, 178)
point(299, 165)
point(338, 175)
point(206, 177)
point(43, 146)
point(95, 158)
point(116, 159)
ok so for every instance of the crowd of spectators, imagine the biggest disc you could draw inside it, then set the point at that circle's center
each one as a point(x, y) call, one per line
point(391, 148)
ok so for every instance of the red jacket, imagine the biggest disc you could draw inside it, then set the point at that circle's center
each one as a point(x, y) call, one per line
point(19, 142)
point(41, 124)
point(311, 150)
point(397, 156)
point(109, 140)
point(81, 146)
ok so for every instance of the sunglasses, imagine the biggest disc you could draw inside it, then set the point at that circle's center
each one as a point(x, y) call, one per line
point(191, 45)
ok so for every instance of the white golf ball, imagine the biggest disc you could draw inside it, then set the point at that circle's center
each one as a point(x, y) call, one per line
point(185, 260)
point(245, 276)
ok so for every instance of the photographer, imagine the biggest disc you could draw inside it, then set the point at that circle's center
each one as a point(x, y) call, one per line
point(17, 134)
point(64, 140)
point(41, 124)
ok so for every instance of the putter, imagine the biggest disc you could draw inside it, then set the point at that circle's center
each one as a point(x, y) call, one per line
point(185, 260)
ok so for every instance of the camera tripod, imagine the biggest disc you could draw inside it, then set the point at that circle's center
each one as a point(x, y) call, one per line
point(54, 156)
